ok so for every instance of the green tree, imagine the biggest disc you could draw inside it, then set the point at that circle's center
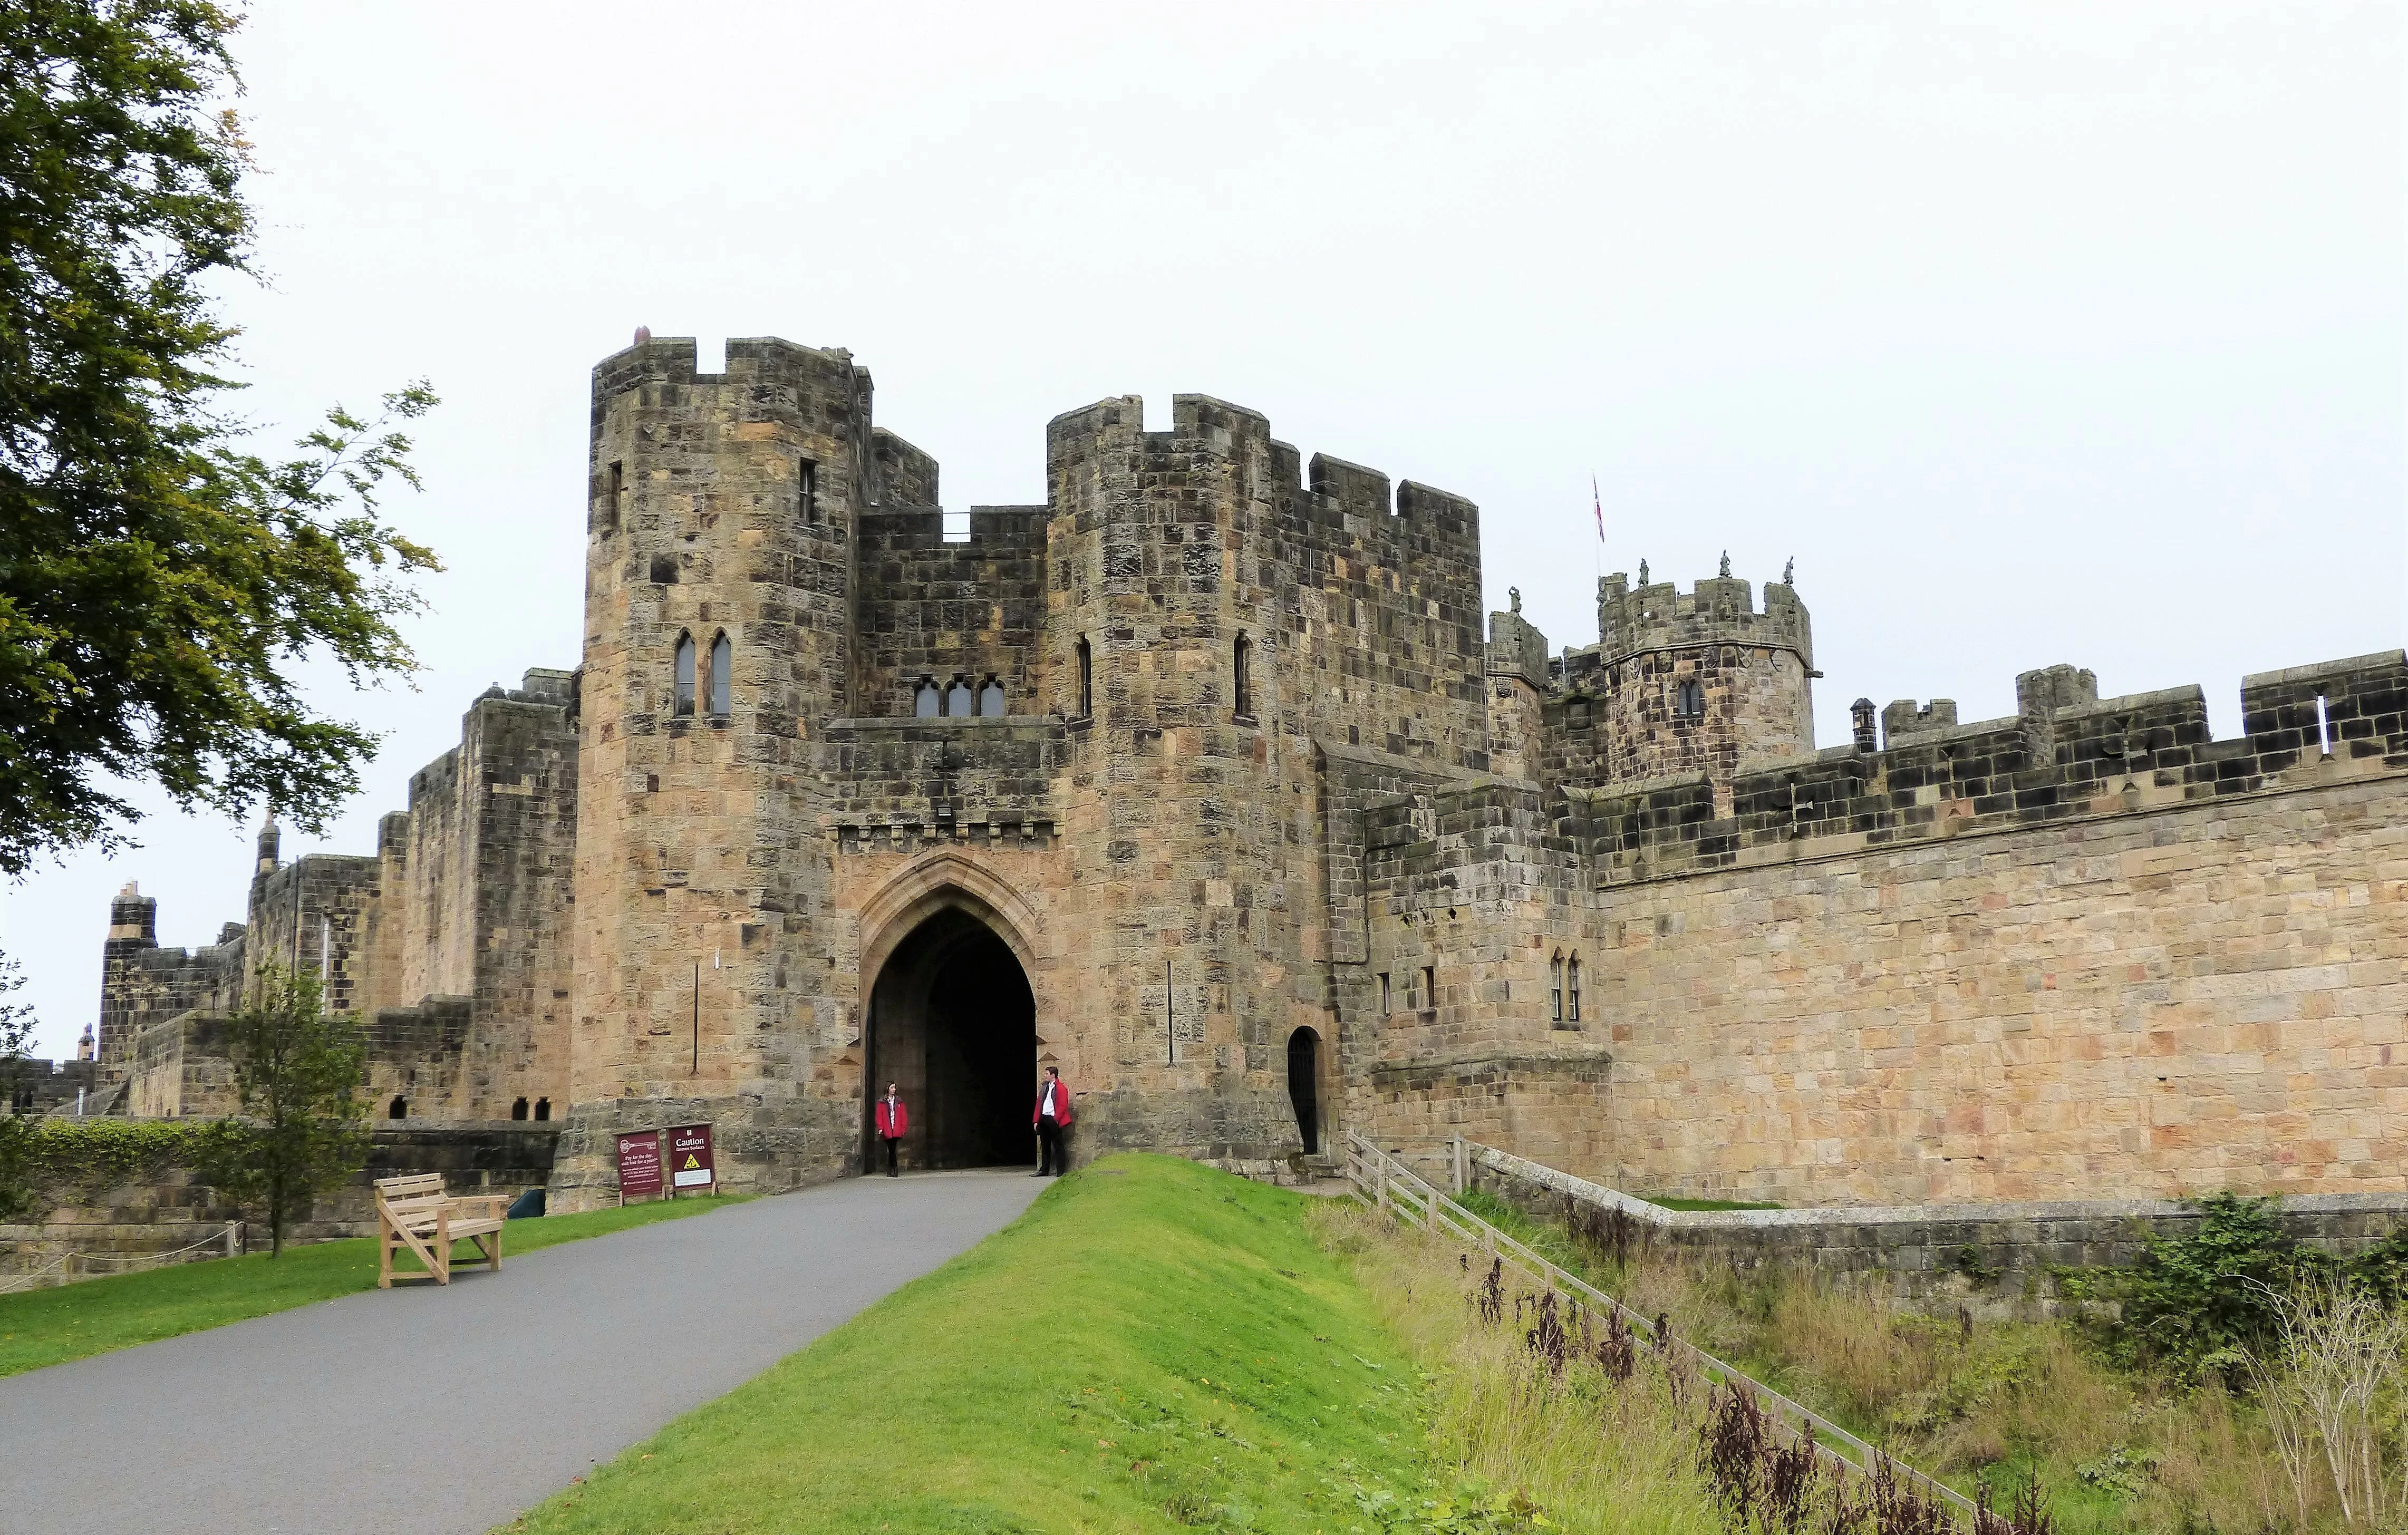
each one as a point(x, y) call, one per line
point(158, 584)
point(16, 1134)
point(15, 1018)
point(297, 1072)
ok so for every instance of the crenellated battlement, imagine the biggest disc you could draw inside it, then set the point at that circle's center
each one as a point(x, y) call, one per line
point(752, 361)
point(2139, 753)
point(1326, 496)
point(1720, 610)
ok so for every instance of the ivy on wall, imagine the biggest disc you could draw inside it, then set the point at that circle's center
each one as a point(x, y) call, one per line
point(48, 1162)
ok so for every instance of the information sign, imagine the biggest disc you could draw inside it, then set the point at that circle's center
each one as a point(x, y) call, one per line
point(689, 1157)
point(639, 1164)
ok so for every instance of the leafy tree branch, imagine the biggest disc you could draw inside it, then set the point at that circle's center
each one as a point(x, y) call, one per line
point(160, 584)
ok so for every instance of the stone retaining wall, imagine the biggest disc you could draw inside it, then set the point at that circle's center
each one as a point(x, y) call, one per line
point(1996, 1259)
point(167, 1212)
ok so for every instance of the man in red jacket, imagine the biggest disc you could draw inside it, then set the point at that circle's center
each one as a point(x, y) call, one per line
point(893, 1120)
point(1051, 1117)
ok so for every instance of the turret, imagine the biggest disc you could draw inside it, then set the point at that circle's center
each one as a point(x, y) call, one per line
point(719, 586)
point(1703, 682)
point(1517, 688)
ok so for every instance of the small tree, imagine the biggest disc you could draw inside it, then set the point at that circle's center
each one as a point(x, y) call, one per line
point(16, 1135)
point(297, 1073)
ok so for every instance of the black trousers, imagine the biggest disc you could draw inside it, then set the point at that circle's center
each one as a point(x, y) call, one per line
point(1051, 1156)
point(892, 1141)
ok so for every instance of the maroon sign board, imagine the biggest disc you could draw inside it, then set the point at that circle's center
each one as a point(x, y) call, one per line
point(690, 1164)
point(639, 1164)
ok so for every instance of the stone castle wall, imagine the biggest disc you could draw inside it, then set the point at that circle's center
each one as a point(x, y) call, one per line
point(2011, 962)
point(1260, 769)
point(142, 984)
point(941, 611)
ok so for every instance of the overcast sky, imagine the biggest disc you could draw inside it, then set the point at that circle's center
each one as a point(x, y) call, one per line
point(2034, 333)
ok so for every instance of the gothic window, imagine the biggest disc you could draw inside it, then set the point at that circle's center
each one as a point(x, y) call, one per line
point(1571, 992)
point(1086, 678)
point(684, 703)
point(1386, 1006)
point(1241, 665)
point(1430, 987)
point(806, 487)
point(925, 701)
point(1555, 988)
point(398, 1108)
point(519, 1109)
point(543, 1108)
point(618, 485)
point(990, 703)
point(957, 697)
point(722, 661)
point(1689, 702)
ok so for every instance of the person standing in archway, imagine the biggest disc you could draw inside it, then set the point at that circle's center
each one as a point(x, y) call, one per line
point(1052, 1119)
point(893, 1121)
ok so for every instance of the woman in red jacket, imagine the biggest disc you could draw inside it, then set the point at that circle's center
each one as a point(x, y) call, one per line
point(893, 1120)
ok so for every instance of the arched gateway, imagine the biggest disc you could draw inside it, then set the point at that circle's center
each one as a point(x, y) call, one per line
point(952, 1023)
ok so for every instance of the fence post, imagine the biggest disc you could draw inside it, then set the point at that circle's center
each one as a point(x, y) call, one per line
point(1462, 1168)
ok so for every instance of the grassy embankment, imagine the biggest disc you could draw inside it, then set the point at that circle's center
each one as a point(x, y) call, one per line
point(1601, 1453)
point(47, 1327)
point(2116, 1451)
point(1154, 1345)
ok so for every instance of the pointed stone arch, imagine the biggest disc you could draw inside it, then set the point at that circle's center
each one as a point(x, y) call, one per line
point(949, 985)
point(932, 884)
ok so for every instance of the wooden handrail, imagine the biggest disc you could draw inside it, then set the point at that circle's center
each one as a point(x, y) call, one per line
point(1401, 1188)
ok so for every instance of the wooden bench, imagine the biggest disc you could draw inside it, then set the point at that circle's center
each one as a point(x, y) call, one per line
point(415, 1213)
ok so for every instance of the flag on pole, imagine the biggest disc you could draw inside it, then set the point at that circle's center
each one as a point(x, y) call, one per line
point(1599, 502)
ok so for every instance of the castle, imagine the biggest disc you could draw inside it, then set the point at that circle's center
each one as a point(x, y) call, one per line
point(1204, 782)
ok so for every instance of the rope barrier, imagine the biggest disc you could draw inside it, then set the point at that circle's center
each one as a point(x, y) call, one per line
point(224, 1239)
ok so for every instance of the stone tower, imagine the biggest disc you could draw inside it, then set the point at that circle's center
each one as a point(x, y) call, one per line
point(719, 572)
point(1703, 682)
point(1198, 712)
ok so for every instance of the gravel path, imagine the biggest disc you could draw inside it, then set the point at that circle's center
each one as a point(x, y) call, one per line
point(431, 1410)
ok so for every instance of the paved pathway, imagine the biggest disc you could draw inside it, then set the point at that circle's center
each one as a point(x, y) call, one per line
point(430, 1410)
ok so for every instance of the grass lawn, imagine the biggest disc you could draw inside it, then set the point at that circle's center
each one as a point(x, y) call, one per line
point(1154, 1345)
point(39, 1328)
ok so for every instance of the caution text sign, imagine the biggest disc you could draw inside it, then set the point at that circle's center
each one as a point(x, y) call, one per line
point(690, 1162)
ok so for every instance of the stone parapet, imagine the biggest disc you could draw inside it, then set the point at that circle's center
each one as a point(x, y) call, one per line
point(1998, 1259)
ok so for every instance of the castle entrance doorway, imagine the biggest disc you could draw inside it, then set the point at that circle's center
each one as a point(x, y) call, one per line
point(953, 1024)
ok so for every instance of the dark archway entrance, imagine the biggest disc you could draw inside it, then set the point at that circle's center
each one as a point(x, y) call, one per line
point(952, 1022)
point(1304, 1086)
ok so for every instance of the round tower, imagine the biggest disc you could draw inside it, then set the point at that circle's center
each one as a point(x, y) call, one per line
point(719, 573)
point(1703, 682)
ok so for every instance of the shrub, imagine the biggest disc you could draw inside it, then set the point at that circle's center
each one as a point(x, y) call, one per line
point(2195, 1305)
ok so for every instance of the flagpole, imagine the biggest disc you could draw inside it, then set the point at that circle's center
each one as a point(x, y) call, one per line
point(1596, 550)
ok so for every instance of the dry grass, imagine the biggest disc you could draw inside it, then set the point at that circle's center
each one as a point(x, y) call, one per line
point(1962, 1399)
point(1601, 1457)
point(1965, 1399)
